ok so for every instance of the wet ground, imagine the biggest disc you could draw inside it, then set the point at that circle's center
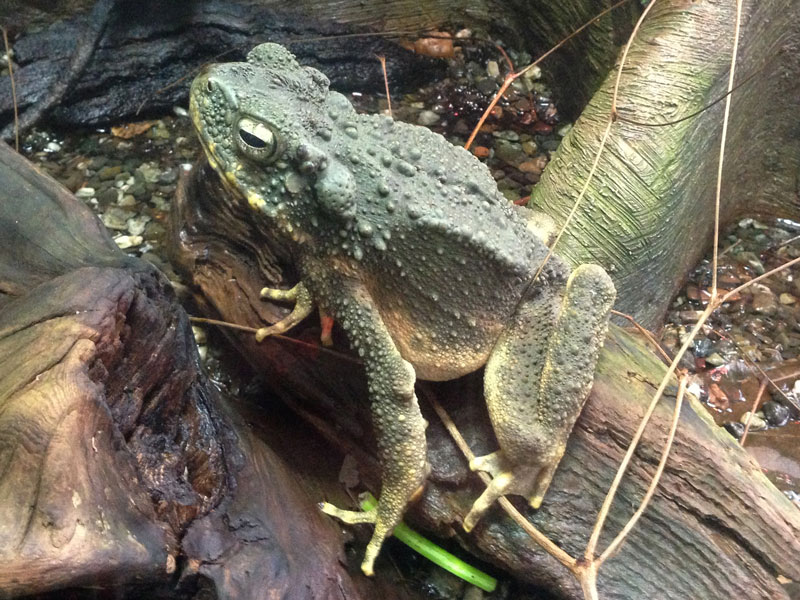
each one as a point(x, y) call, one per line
point(128, 176)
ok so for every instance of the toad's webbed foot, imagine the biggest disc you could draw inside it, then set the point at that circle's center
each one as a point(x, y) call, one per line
point(303, 307)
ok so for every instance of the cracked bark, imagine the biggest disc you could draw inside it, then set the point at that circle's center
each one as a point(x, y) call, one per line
point(117, 454)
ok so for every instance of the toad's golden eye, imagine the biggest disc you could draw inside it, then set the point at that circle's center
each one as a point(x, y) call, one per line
point(256, 140)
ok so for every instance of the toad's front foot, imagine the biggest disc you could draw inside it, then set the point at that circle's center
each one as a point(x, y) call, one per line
point(303, 305)
point(354, 517)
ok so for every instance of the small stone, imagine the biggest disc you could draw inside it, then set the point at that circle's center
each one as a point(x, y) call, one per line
point(787, 298)
point(715, 359)
point(776, 414)
point(98, 162)
point(750, 259)
point(486, 86)
point(535, 166)
point(529, 147)
point(85, 193)
point(127, 201)
point(480, 151)
point(52, 147)
point(492, 68)
point(116, 218)
point(757, 422)
point(109, 196)
point(550, 145)
point(564, 130)
point(136, 225)
point(735, 429)
point(168, 176)
point(426, 118)
point(128, 241)
point(702, 347)
point(506, 134)
point(764, 301)
point(149, 171)
point(107, 173)
point(533, 73)
point(509, 152)
point(159, 202)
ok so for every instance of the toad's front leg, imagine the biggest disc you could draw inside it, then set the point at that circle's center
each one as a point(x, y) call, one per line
point(399, 426)
point(536, 381)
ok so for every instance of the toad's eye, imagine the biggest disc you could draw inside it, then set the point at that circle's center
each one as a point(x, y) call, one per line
point(256, 140)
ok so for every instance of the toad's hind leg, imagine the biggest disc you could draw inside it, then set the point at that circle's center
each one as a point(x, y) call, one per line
point(536, 381)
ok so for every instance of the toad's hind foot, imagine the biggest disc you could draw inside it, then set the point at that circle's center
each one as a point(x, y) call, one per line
point(303, 307)
point(529, 480)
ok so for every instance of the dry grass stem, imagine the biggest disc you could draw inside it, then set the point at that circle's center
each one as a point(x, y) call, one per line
point(617, 542)
point(753, 409)
point(541, 539)
point(644, 332)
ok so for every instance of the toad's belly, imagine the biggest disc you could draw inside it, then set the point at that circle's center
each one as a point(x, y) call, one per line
point(443, 345)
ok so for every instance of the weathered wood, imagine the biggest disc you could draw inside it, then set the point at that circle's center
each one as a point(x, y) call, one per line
point(117, 456)
point(149, 48)
point(716, 528)
point(647, 215)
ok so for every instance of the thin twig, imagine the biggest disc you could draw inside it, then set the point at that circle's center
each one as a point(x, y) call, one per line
point(382, 60)
point(753, 409)
point(723, 139)
point(647, 335)
point(512, 76)
point(285, 338)
point(617, 542)
point(541, 539)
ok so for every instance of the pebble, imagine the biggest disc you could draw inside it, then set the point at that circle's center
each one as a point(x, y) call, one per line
point(750, 259)
point(509, 152)
point(116, 218)
point(764, 301)
point(107, 173)
point(427, 118)
point(785, 298)
point(85, 193)
point(508, 135)
point(776, 414)
point(529, 147)
point(128, 241)
point(127, 201)
point(110, 196)
point(492, 68)
point(757, 422)
point(535, 166)
point(136, 225)
point(735, 429)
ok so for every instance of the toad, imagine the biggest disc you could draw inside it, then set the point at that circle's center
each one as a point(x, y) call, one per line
point(404, 240)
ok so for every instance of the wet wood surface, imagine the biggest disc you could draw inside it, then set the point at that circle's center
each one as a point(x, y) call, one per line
point(121, 466)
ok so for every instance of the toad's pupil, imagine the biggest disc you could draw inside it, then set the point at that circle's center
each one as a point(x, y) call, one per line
point(252, 140)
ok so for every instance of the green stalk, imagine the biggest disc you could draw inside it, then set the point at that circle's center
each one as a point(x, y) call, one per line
point(434, 553)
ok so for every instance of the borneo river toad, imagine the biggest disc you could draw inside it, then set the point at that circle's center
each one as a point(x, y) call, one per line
point(406, 242)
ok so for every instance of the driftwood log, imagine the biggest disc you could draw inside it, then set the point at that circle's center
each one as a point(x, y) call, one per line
point(120, 464)
point(716, 528)
point(137, 55)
